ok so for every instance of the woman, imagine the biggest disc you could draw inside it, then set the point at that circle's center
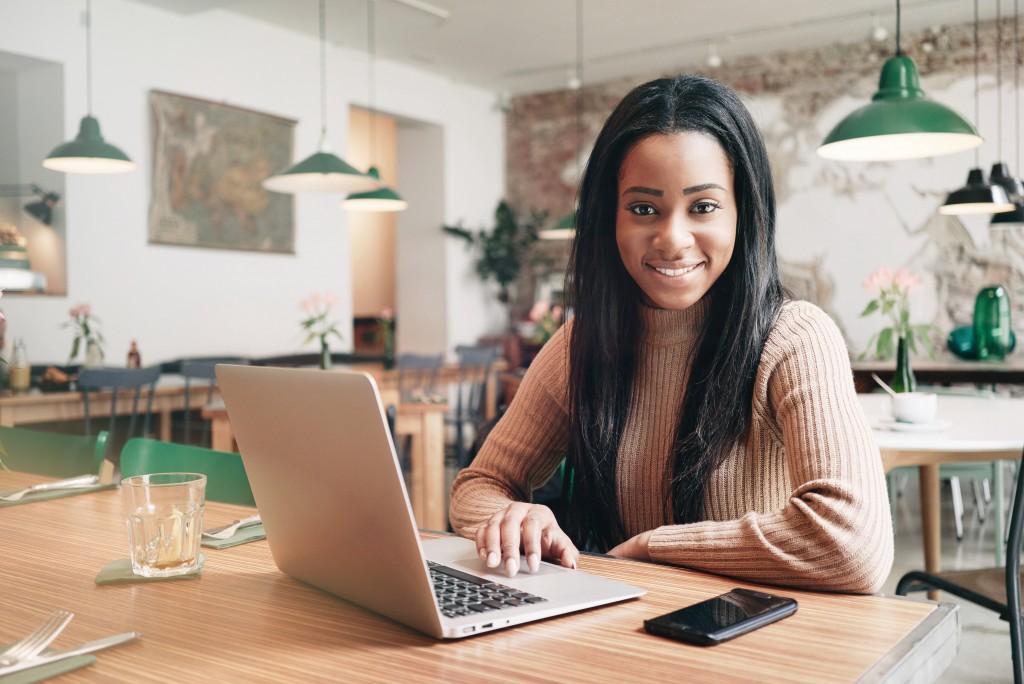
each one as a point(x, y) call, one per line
point(704, 421)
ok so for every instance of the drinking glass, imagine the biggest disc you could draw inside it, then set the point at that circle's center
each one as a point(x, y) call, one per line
point(164, 513)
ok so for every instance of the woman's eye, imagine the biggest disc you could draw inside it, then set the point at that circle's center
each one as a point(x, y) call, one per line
point(641, 209)
point(705, 207)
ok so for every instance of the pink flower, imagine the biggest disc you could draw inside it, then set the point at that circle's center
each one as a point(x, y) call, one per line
point(540, 308)
point(387, 314)
point(906, 281)
point(878, 280)
point(556, 313)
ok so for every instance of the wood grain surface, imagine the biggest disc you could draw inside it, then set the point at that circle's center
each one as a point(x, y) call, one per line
point(245, 621)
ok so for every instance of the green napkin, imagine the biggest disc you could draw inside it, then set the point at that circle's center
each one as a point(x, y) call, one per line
point(38, 674)
point(120, 572)
point(45, 494)
point(242, 536)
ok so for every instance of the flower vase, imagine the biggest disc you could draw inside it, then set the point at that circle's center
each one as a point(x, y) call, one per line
point(389, 352)
point(93, 355)
point(904, 380)
point(325, 355)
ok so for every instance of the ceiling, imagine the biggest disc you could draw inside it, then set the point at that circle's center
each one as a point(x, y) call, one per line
point(523, 46)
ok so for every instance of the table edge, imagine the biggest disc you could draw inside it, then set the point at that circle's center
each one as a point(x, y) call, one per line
point(923, 654)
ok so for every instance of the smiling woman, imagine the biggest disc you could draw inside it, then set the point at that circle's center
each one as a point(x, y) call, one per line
point(704, 420)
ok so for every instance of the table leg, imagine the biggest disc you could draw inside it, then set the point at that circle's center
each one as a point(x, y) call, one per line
point(931, 521)
point(165, 425)
point(222, 436)
point(435, 514)
point(417, 467)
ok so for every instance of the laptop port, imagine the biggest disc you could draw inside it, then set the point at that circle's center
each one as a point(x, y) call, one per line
point(469, 630)
point(487, 626)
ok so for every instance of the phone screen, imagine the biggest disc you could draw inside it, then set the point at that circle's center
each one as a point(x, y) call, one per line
point(722, 617)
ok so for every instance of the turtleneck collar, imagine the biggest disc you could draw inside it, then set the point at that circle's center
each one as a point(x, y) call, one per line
point(667, 328)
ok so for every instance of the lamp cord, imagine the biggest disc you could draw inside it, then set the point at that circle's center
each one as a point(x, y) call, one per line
point(977, 111)
point(898, 53)
point(999, 79)
point(323, 75)
point(88, 56)
point(371, 44)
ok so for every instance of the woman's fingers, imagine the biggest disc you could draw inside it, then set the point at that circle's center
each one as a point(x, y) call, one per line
point(529, 528)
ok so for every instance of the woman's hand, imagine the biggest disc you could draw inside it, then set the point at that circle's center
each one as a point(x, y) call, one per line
point(530, 527)
point(634, 548)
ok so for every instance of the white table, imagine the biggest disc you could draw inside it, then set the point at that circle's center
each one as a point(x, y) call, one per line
point(981, 429)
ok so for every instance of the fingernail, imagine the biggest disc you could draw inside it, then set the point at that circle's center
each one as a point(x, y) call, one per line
point(533, 562)
point(492, 560)
point(573, 563)
point(511, 567)
point(482, 552)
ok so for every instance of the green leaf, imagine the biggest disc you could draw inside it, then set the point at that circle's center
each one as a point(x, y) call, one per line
point(74, 347)
point(871, 308)
point(885, 343)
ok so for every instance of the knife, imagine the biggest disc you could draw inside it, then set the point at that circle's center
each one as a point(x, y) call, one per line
point(47, 658)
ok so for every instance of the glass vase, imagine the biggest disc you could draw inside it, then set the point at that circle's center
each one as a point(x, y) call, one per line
point(93, 355)
point(325, 355)
point(992, 324)
point(903, 380)
point(389, 351)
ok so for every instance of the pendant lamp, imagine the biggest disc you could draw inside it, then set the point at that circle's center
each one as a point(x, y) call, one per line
point(1013, 186)
point(383, 198)
point(979, 196)
point(88, 152)
point(900, 122)
point(565, 227)
point(322, 171)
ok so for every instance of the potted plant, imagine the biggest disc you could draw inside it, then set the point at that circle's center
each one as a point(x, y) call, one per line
point(505, 250)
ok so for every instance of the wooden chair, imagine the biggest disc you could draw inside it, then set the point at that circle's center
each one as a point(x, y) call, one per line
point(226, 480)
point(417, 376)
point(471, 389)
point(51, 453)
point(114, 380)
point(997, 589)
point(200, 369)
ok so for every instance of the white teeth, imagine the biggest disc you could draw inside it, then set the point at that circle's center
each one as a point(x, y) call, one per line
point(675, 271)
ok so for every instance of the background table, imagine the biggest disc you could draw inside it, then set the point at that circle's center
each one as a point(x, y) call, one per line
point(981, 429)
point(246, 621)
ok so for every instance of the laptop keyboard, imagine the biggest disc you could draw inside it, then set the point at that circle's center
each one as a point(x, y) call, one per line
point(459, 593)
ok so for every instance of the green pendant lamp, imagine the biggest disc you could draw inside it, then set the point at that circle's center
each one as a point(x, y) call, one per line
point(1000, 173)
point(900, 122)
point(322, 171)
point(383, 198)
point(565, 227)
point(88, 152)
point(979, 196)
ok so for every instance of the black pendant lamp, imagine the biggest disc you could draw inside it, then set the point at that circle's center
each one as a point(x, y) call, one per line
point(322, 171)
point(900, 122)
point(1000, 173)
point(88, 152)
point(565, 227)
point(979, 196)
point(383, 198)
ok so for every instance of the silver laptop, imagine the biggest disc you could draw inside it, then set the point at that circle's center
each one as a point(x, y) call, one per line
point(328, 485)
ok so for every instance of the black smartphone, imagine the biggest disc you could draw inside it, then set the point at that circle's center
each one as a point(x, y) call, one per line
point(722, 618)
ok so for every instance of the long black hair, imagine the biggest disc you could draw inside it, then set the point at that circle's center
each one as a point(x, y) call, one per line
point(607, 327)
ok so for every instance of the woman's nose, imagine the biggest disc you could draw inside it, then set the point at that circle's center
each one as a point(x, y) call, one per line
point(674, 235)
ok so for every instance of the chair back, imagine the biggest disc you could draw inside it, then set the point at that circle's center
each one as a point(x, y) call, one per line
point(116, 381)
point(471, 390)
point(226, 480)
point(417, 376)
point(205, 371)
point(51, 453)
point(1013, 596)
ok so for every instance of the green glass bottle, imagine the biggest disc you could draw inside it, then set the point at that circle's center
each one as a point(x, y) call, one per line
point(904, 380)
point(992, 324)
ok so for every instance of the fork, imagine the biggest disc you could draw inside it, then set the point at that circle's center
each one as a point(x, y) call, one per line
point(35, 642)
point(74, 482)
point(230, 530)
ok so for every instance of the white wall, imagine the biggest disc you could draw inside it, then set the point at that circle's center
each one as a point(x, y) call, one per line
point(180, 301)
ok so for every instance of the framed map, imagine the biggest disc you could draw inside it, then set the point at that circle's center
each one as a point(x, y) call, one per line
point(209, 160)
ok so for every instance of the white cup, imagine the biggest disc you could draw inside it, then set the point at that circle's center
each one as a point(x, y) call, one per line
point(915, 407)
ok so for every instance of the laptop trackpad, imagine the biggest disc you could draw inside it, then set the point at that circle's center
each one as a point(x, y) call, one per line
point(476, 566)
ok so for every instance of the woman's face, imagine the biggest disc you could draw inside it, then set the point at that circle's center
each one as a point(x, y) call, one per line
point(676, 220)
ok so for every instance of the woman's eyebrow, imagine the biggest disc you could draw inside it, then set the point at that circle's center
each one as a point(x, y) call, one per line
point(645, 191)
point(700, 188)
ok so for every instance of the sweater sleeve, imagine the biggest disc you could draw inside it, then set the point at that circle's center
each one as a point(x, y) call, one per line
point(524, 448)
point(834, 532)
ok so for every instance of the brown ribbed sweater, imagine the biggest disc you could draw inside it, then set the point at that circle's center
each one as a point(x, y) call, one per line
point(802, 502)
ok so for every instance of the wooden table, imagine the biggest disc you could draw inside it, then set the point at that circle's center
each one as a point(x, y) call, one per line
point(47, 407)
point(245, 621)
point(422, 423)
point(982, 429)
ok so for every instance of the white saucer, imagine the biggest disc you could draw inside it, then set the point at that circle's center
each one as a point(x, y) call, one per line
point(899, 426)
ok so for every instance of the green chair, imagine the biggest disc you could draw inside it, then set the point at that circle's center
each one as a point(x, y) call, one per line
point(226, 480)
point(52, 453)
